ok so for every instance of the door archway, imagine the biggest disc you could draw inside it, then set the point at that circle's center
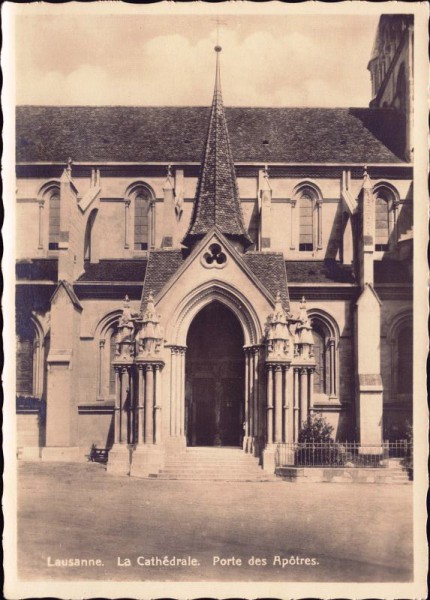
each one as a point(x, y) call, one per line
point(215, 378)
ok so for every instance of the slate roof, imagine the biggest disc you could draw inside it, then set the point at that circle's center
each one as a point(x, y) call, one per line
point(177, 134)
point(115, 270)
point(217, 200)
point(37, 269)
point(162, 264)
point(314, 271)
point(269, 268)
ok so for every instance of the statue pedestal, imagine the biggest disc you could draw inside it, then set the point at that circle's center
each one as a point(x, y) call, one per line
point(119, 460)
point(146, 459)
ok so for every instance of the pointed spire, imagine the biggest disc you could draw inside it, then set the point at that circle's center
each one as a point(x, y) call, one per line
point(217, 200)
point(265, 185)
point(168, 184)
point(367, 182)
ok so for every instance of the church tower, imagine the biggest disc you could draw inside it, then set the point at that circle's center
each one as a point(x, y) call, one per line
point(391, 70)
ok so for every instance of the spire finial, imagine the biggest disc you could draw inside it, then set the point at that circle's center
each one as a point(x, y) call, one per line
point(367, 183)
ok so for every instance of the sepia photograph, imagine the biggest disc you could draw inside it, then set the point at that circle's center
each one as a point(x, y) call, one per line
point(215, 303)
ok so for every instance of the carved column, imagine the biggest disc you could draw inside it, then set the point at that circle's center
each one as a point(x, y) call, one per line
point(293, 224)
point(140, 405)
point(124, 404)
point(41, 207)
point(117, 427)
point(173, 392)
point(247, 396)
point(394, 229)
point(296, 406)
point(251, 392)
point(255, 398)
point(285, 403)
point(311, 390)
point(278, 403)
point(303, 396)
point(149, 404)
point(319, 224)
point(100, 378)
point(269, 414)
point(181, 388)
point(157, 406)
point(332, 358)
point(126, 223)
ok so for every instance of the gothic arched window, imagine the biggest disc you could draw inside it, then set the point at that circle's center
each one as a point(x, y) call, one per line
point(25, 361)
point(325, 352)
point(54, 218)
point(309, 217)
point(31, 346)
point(306, 224)
point(107, 347)
point(142, 218)
point(386, 204)
point(382, 228)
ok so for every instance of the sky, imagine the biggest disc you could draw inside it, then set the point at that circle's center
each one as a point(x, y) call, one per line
point(106, 59)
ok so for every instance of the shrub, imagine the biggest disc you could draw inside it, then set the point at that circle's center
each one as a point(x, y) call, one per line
point(316, 430)
point(408, 461)
point(316, 445)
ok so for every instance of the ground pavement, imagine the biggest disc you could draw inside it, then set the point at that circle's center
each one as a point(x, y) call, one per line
point(208, 531)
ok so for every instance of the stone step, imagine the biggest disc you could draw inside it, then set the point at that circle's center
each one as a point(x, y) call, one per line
point(210, 477)
point(214, 464)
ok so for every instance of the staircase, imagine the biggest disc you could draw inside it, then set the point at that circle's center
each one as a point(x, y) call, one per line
point(213, 464)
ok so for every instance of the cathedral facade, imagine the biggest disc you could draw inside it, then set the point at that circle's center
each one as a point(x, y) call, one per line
point(212, 277)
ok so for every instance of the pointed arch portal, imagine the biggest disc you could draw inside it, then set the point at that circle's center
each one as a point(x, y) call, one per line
point(215, 368)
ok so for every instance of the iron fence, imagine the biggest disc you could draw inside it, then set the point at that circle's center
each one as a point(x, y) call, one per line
point(344, 454)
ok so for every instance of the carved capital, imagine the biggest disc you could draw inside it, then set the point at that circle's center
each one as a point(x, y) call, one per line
point(102, 343)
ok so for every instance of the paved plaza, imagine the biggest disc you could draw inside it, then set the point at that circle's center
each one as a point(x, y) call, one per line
point(120, 528)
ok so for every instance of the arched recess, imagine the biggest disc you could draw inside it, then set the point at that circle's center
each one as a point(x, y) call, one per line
point(326, 337)
point(400, 339)
point(104, 337)
point(215, 378)
point(386, 215)
point(49, 214)
point(139, 203)
point(307, 199)
point(31, 343)
point(205, 294)
point(90, 245)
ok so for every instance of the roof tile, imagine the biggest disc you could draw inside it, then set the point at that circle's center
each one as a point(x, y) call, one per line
point(177, 134)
